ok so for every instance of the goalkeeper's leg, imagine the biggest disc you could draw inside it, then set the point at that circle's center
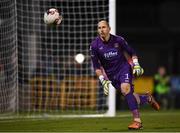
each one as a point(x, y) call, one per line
point(147, 99)
point(152, 101)
point(127, 91)
point(134, 100)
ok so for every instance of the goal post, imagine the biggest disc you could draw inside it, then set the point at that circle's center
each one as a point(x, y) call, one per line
point(43, 75)
point(112, 93)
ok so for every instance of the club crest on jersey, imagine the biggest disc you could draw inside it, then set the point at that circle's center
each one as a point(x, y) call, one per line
point(116, 45)
point(110, 54)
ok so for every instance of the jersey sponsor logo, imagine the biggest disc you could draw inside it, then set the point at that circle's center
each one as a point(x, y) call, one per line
point(110, 54)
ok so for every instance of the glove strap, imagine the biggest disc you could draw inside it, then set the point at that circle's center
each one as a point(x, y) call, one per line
point(101, 78)
point(135, 61)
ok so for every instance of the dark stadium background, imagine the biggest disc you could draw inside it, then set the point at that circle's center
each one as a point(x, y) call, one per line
point(153, 29)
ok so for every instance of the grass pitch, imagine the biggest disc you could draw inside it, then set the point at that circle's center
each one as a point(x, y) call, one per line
point(162, 121)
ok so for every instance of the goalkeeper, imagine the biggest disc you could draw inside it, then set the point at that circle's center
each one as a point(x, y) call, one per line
point(119, 62)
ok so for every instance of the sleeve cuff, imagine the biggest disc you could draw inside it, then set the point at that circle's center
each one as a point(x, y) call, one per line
point(101, 78)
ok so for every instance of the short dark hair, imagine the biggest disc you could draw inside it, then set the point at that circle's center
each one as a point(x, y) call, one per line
point(104, 21)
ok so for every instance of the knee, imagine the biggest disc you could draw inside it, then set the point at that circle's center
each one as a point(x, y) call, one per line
point(125, 88)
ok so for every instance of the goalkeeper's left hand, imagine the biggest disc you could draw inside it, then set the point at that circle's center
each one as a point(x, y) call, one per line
point(137, 69)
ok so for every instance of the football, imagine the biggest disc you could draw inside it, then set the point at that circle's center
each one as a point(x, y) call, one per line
point(52, 17)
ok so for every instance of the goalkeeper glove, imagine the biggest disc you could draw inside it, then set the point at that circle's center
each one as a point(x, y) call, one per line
point(105, 83)
point(137, 69)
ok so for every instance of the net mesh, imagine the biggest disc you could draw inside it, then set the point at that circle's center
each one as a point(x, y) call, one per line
point(8, 57)
point(49, 79)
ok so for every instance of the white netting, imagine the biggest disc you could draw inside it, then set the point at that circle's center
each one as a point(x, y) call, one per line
point(8, 57)
point(49, 80)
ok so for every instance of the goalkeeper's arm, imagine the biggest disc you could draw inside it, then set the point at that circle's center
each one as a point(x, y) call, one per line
point(133, 61)
point(105, 82)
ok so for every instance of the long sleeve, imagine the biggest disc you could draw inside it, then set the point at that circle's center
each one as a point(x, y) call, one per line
point(127, 48)
point(94, 58)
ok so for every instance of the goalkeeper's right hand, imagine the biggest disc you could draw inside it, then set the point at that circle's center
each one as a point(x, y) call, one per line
point(137, 69)
point(105, 83)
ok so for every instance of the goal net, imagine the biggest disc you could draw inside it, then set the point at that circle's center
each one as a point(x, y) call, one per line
point(39, 73)
point(8, 57)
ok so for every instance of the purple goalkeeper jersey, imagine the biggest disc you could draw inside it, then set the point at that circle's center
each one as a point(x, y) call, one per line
point(110, 55)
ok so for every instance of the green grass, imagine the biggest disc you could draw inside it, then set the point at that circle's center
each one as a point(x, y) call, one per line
point(154, 121)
